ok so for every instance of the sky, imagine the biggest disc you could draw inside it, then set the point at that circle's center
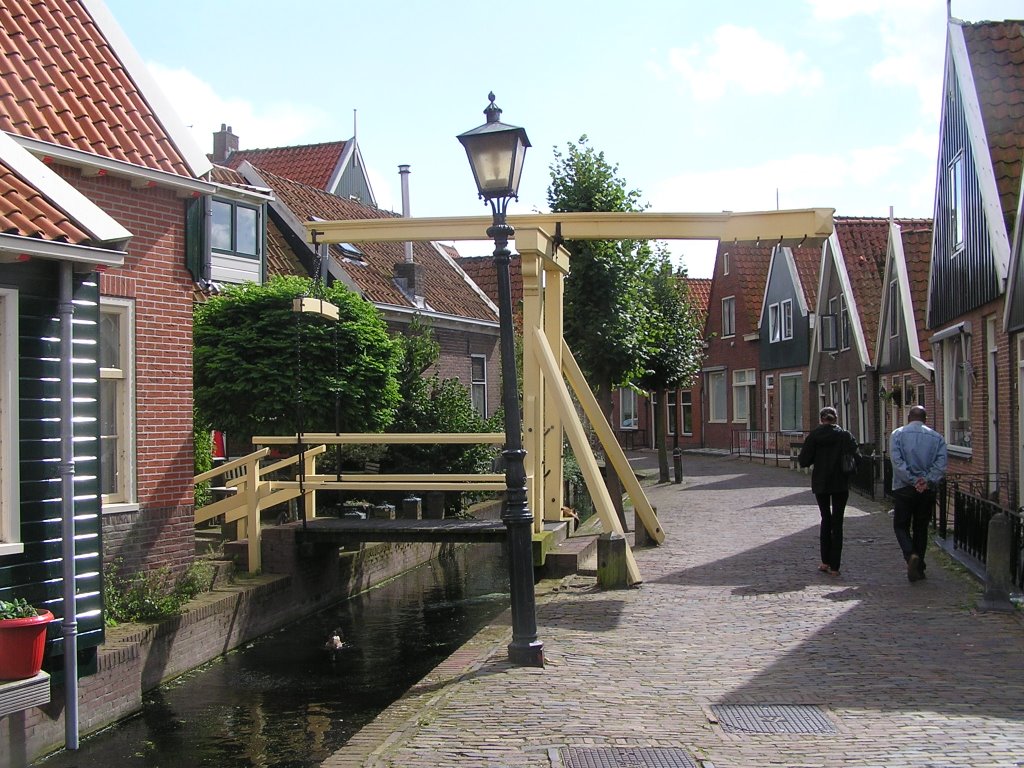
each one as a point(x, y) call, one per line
point(740, 105)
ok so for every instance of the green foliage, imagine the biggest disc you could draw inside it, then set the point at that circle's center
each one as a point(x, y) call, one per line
point(151, 595)
point(18, 608)
point(202, 440)
point(432, 404)
point(607, 291)
point(258, 364)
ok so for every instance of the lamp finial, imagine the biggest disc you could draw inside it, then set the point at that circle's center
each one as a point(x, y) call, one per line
point(493, 111)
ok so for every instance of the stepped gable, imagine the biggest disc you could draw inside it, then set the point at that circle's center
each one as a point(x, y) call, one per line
point(311, 164)
point(996, 52)
point(447, 289)
point(61, 82)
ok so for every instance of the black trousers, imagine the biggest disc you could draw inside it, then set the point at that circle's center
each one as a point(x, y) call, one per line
point(911, 515)
point(832, 507)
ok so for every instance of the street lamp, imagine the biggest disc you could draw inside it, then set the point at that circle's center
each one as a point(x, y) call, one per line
point(496, 152)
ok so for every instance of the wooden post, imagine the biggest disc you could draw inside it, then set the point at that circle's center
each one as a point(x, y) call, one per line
point(611, 561)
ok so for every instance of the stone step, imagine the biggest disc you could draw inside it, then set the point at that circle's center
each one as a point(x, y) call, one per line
point(575, 554)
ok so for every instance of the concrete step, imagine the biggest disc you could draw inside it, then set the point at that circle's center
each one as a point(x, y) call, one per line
point(575, 554)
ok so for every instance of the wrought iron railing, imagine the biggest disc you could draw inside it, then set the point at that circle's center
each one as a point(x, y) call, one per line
point(780, 447)
point(971, 517)
point(1017, 547)
point(996, 487)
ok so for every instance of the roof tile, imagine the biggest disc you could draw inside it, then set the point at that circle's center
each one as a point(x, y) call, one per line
point(26, 212)
point(312, 164)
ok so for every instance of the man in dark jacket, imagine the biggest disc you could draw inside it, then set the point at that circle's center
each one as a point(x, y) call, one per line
point(824, 449)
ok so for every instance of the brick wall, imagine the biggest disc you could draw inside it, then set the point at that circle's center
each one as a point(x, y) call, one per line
point(155, 279)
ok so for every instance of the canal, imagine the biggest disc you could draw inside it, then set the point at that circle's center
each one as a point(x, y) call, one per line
point(281, 702)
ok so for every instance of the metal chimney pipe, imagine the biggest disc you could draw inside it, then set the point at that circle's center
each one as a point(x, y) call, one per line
point(403, 172)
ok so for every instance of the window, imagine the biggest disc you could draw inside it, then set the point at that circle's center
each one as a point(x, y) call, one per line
point(725, 262)
point(956, 380)
point(791, 402)
point(234, 228)
point(844, 405)
point(955, 190)
point(627, 409)
point(894, 314)
point(729, 316)
point(717, 405)
point(833, 394)
point(686, 402)
point(742, 384)
point(10, 516)
point(862, 408)
point(117, 407)
point(786, 310)
point(671, 409)
point(844, 324)
point(829, 328)
point(822, 397)
point(478, 374)
point(774, 324)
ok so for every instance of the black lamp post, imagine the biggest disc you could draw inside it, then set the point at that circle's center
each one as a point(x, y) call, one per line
point(496, 154)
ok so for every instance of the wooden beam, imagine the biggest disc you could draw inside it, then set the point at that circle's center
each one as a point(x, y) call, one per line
point(807, 226)
point(315, 307)
point(384, 438)
point(378, 485)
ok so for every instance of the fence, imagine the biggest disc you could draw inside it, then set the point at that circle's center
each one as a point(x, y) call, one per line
point(779, 447)
point(971, 517)
point(979, 484)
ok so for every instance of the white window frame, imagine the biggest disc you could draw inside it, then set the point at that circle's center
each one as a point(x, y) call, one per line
point(844, 323)
point(725, 262)
point(774, 324)
point(124, 498)
point(833, 394)
point(786, 316)
point(686, 411)
point(784, 378)
point(478, 387)
point(743, 382)
point(628, 405)
point(862, 408)
point(822, 396)
point(718, 412)
point(894, 315)
point(10, 499)
point(728, 316)
point(844, 409)
point(953, 356)
point(956, 203)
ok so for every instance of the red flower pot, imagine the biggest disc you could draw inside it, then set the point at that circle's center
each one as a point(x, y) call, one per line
point(22, 642)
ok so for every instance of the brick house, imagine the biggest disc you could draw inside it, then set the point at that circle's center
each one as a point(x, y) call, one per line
point(99, 174)
point(431, 287)
point(902, 353)
point(730, 373)
point(786, 327)
point(843, 346)
point(977, 204)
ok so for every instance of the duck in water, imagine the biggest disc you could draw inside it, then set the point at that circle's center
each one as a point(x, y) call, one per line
point(335, 643)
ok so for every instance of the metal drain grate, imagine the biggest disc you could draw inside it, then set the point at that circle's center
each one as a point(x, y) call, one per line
point(626, 757)
point(755, 718)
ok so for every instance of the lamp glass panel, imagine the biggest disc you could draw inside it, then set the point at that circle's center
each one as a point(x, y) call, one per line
point(491, 156)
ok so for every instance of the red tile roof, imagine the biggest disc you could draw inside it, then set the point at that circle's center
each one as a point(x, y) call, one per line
point(699, 291)
point(996, 51)
point(61, 82)
point(25, 211)
point(312, 164)
point(917, 251)
point(808, 262)
point(483, 272)
point(446, 287)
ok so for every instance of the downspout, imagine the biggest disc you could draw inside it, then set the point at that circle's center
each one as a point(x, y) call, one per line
point(69, 625)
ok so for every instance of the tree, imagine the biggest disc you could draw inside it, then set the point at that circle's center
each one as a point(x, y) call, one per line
point(678, 345)
point(607, 325)
point(259, 367)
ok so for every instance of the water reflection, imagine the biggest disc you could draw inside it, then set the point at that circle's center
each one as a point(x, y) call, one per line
point(280, 702)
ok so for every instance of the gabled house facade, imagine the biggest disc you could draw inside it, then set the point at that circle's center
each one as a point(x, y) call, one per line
point(730, 400)
point(1014, 325)
point(902, 354)
point(98, 175)
point(843, 344)
point(977, 201)
point(430, 287)
point(786, 327)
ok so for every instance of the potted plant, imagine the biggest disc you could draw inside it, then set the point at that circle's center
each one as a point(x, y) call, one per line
point(22, 639)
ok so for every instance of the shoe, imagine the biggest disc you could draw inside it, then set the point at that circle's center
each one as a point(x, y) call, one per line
point(834, 574)
point(914, 568)
point(823, 568)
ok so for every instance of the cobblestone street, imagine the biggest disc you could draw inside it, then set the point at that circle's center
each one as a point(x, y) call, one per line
point(734, 633)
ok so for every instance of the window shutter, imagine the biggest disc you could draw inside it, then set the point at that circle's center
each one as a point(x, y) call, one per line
point(195, 239)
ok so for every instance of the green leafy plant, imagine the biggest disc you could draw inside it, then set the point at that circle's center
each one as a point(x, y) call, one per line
point(18, 608)
point(151, 595)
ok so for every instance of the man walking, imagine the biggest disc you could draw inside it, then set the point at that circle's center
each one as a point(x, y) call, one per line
point(918, 456)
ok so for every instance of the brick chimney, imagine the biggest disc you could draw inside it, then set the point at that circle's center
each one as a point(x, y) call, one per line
point(224, 143)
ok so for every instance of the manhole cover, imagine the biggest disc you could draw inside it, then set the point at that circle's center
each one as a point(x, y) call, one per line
point(626, 757)
point(755, 718)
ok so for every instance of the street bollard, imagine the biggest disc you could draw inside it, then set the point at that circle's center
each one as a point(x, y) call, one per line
point(611, 561)
point(677, 463)
point(997, 565)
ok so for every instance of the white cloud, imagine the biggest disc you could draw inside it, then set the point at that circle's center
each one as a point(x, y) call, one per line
point(741, 59)
point(203, 110)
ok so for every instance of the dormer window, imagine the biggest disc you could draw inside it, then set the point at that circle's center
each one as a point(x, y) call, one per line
point(234, 228)
point(225, 240)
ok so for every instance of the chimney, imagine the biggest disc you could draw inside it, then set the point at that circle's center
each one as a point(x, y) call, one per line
point(403, 172)
point(224, 143)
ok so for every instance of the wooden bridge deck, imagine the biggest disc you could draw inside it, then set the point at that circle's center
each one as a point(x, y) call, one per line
point(341, 531)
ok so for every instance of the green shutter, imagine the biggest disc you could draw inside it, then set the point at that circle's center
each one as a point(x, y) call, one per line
point(195, 237)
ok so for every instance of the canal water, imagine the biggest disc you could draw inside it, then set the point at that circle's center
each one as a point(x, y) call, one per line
point(281, 702)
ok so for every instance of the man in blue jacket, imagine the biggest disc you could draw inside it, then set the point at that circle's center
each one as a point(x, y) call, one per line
point(918, 456)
